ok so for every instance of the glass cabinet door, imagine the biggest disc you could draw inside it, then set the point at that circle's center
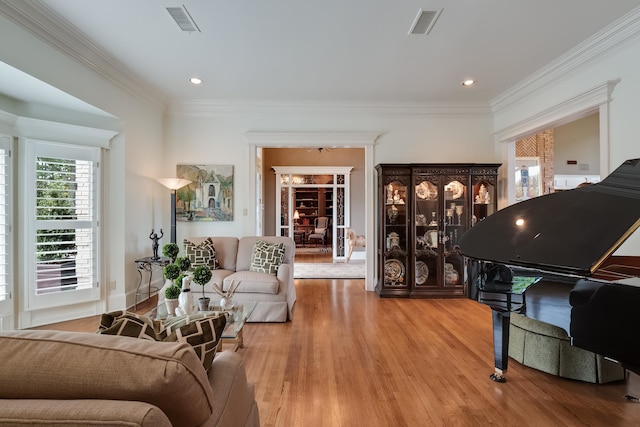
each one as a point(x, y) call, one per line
point(427, 232)
point(456, 219)
point(396, 235)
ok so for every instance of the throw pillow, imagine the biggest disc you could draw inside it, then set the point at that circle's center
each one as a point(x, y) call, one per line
point(266, 257)
point(127, 324)
point(202, 333)
point(202, 254)
point(175, 322)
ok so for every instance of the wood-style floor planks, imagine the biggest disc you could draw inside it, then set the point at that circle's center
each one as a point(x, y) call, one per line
point(350, 358)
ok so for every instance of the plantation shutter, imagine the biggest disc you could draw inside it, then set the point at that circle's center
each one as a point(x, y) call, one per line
point(64, 260)
point(4, 222)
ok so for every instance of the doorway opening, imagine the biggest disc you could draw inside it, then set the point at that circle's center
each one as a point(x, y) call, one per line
point(308, 144)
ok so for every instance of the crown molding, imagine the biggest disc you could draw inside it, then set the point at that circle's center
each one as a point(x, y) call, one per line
point(601, 45)
point(35, 17)
point(311, 139)
point(229, 107)
point(568, 110)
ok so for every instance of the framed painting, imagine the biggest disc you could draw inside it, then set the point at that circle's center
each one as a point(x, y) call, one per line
point(528, 178)
point(209, 197)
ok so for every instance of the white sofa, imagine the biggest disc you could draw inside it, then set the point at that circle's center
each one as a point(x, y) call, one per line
point(275, 295)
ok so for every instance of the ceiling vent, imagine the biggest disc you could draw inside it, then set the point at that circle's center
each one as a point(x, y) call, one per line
point(182, 18)
point(424, 22)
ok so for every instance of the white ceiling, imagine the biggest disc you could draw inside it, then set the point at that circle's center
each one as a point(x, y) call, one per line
point(353, 51)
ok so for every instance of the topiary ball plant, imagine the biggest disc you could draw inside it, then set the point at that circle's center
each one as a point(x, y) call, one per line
point(170, 250)
point(172, 292)
point(171, 271)
point(183, 262)
point(202, 275)
point(178, 280)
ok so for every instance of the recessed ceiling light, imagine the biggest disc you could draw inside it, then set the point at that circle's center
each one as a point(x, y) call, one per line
point(468, 82)
point(195, 81)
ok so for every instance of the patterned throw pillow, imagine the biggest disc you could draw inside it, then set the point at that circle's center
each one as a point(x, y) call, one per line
point(202, 254)
point(202, 334)
point(202, 331)
point(266, 257)
point(128, 324)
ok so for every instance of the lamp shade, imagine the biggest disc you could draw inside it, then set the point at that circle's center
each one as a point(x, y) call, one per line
point(296, 215)
point(173, 183)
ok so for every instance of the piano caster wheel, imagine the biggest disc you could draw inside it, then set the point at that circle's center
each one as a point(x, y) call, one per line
point(499, 378)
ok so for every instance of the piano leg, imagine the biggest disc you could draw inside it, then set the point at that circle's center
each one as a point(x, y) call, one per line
point(500, 344)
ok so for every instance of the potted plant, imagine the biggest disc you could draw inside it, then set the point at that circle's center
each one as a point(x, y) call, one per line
point(202, 275)
point(171, 295)
point(171, 272)
point(170, 250)
point(183, 262)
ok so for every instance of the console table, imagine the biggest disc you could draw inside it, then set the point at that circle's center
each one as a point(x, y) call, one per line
point(147, 264)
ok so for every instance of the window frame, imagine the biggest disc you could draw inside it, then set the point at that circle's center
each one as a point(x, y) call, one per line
point(33, 150)
point(6, 234)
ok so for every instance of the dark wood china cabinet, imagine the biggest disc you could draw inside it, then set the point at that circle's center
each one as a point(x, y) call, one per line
point(423, 210)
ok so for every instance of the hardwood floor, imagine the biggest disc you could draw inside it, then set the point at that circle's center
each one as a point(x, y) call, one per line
point(350, 358)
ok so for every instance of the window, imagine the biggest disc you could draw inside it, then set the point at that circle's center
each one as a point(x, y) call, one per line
point(63, 209)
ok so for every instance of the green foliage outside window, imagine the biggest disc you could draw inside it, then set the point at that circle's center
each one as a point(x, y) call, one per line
point(55, 199)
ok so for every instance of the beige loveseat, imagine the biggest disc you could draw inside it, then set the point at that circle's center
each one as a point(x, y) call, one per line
point(75, 378)
point(275, 294)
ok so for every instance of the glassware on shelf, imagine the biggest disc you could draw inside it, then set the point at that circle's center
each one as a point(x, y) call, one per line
point(449, 214)
point(433, 222)
point(459, 213)
point(392, 212)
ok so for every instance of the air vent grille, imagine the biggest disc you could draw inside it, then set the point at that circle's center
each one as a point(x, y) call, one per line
point(182, 18)
point(424, 22)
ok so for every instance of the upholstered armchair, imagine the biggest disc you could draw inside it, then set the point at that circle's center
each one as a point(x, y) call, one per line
point(320, 229)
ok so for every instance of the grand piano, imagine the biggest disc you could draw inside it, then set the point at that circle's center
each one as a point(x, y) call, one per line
point(543, 258)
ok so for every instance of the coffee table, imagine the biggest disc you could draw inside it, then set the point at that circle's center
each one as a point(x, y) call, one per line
point(232, 333)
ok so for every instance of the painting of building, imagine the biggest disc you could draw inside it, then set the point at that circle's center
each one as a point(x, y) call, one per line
point(209, 197)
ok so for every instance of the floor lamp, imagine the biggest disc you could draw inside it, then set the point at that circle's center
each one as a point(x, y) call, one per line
point(173, 184)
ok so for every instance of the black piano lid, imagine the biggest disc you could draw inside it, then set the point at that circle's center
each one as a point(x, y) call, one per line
point(570, 232)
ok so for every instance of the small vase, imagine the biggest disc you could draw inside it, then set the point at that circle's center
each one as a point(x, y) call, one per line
point(203, 303)
point(226, 303)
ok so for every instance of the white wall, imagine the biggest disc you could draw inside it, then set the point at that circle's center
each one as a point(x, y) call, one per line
point(135, 202)
point(214, 134)
point(579, 141)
